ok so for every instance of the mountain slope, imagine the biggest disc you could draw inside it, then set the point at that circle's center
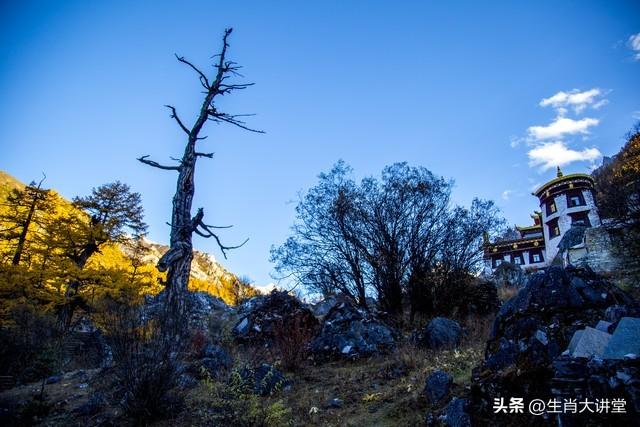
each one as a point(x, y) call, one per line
point(206, 273)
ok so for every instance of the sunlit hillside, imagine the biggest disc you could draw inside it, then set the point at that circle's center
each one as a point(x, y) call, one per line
point(113, 266)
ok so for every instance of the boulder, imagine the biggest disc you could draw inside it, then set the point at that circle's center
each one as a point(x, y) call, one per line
point(322, 307)
point(351, 332)
point(437, 386)
point(604, 326)
point(266, 315)
point(200, 307)
point(625, 340)
point(616, 312)
point(440, 333)
point(455, 415)
point(588, 342)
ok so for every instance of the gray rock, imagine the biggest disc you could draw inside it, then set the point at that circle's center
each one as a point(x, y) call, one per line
point(351, 332)
point(616, 312)
point(625, 339)
point(542, 337)
point(456, 414)
point(603, 326)
point(441, 333)
point(589, 343)
point(437, 386)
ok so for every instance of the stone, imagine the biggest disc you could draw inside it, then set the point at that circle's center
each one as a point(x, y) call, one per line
point(504, 356)
point(456, 414)
point(437, 386)
point(518, 363)
point(542, 337)
point(441, 333)
point(351, 332)
point(625, 339)
point(615, 313)
point(242, 326)
point(603, 326)
point(590, 343)
point(266, 316)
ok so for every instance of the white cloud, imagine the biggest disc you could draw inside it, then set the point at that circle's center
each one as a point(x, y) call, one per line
point(574, 99)
point(515, 141)
point(634, 44)
point(506, 194)
point(562, 126)
point(556, 153)
point(636, 115)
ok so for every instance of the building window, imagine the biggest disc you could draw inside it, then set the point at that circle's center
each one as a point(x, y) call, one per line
point(575, 198)
point(580, 218)
point(551, 208)
point(535, 257)
point(496, 262)
point(554, 229)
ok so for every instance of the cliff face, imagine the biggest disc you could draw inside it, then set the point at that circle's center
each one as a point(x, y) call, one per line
point(204, 266)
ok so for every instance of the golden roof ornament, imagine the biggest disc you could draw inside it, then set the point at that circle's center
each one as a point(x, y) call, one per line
point(559, 172)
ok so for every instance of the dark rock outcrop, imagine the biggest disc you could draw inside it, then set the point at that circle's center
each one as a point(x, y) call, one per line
point(440, 333)
point(437, 386)
point(262, 316)
point(523, 356)
point(351, 332)
point(200, 307)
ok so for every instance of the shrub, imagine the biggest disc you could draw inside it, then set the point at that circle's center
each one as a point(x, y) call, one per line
point(29, 344)
point(233, 403)
point(291, 341)
point(146, 365)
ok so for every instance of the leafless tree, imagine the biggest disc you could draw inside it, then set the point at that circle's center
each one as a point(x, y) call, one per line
point(177, 260)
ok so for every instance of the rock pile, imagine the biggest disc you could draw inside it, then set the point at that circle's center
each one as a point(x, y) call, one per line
point(200, 307)
point(524, 355)
point(351, 332)
point(262, 316)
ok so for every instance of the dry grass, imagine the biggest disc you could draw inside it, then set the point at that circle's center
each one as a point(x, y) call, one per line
point(379, 391)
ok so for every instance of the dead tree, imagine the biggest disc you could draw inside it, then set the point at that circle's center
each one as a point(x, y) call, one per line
point(177, 260)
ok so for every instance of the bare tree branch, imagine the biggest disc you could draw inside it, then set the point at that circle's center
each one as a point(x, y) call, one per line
point(203, 78)
point(144, 160)
point(209, 155)
point(174, 115)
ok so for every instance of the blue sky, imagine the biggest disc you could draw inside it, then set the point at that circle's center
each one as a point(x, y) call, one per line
point(491, 94)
